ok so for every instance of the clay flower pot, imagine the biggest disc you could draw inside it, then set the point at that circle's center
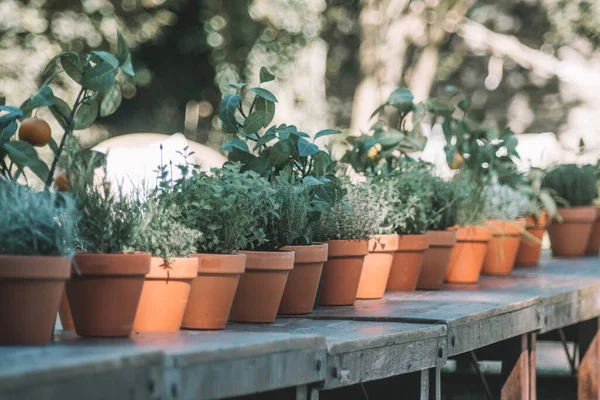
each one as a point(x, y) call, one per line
point(570, 238)
point(165, 295)
point(437, 257)
point(303, 280)
point(529, 253)
point(377, 266)
point(30, 290)
point(64, 313)
point(260, 290)
point(213, 290)
point(341, 273)
point(503, 247)
point(407, 263)
point(468, 254)
point(594, 243)
point(104, 297)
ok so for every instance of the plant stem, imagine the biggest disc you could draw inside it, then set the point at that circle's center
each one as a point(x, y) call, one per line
point(63, 140)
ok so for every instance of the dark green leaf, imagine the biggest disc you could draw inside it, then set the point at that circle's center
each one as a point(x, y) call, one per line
point(61, 111)
point(268, 107)
point(237, 85)
point(99, 56)
point(2, 100)
point(235, 143)
point(439, 107)
point(111, 101)
point(58, 57)
point(127, 67)
point(306, 148)
point(378, 110)
point(8, 132)
point(265, 76)
point(43, 98)
point(122, 49)
point(311, 181)
point(321, 162)
point(326, 132)
point(281, 153)
point(24, 155)
point(259, 165)
point(254, 122)
point(53, 146)
point(86, 115)
point(71, 64)
point(101, 77)
point(265, 94)
point(266, 138)
point(402, 99)
point(227, 110)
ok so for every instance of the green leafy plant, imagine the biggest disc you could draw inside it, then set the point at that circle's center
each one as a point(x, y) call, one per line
point(280, 152)
point(362, 218)
point(540, 198)
point(110, 221)
point(35, 223)
point(471, 207)
point(97, 74)
point(576, 185)
point(231, 208)
point(445, 198)
point(504, 202)
point(389, 137)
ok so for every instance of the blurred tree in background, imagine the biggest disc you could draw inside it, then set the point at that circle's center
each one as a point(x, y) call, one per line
point(529, 64)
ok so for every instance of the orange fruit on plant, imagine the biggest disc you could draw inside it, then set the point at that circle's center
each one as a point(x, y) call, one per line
point(62, 183)
point(457, 161)
point(35, 131)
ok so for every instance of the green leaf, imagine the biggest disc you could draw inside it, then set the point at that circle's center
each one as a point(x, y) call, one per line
point(71, 64)
point(402, 99)
point(311, 181)
point(265, 75)
point(237, 86)
point(99, 56)
point(266, 138)
point(59, 56)
point(101, 77)
point(53, 146)
point(111, 101)
point(326, 132)
point(439, 107)
point(61, 111)
point(227, 110)
point(266, 106)
point(321, 161)
point(8, 132)
point(379, 110)
point(235, 143)
point(86, 115)
point(281, 153)
point(265, 94)
point(2, 100)
point(122, 49)
point(43, 98)
point(306, 148)
point(254, 122)
point(127, 67)
point(24, 155)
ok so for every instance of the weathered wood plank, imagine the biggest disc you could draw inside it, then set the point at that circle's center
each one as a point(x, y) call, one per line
point(366, 351)
point(515, 369)
point(588, 373)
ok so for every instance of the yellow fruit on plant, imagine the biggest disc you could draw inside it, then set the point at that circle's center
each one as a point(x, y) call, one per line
point(62, 183)
point(35, 131)
point(374, 151)
point(457, 161)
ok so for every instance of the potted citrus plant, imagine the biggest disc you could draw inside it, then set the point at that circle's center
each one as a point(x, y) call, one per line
point(347, 230)
point(36, 243)
point(504, 205)
point(577, 186)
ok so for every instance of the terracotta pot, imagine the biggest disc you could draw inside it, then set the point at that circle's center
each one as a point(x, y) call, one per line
point(341, 273)
point(64, 313)
point(468, 254)
point(105, 297)
point(570, 238)
point(30, 290)
point(407, 263)
point(165, 295)
point(260, 290)
point(213, 290)
point(594, 243)
point(435, 262)
point(529, 253)
point(377, 266)
point(503, 247)
point(303, 280)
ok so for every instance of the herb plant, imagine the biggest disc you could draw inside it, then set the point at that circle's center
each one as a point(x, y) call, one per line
point(231, 208)
point(97, 74)
point(362, 218)
point(505, 203)
point(445, 197)
point(576, 185)
point(540, 198)
point(471, 207)
point(35, 223)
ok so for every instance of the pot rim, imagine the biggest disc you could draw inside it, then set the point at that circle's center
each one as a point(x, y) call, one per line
point(348, 248)
point(391, 243)
point(442, 238)
point(182, 268)
point(280, 260)
point(503, 228)
point(472, 233)
point(220, 264)
point(580, 214)
point(413, 242)
point(35, 267)
point(309, 253)
point(95, 264)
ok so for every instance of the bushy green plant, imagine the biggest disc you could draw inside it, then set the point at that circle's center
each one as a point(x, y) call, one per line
point(110, 220)
point(576, 185)
point(471, 206)
point(445, 198)
point(363, 216)
point(505, 203)
point(290, 224)
point(231, 208)
point(35, 223)
point(540, 198)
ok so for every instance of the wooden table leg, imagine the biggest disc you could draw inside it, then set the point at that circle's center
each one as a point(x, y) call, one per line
point(515, 369)
point(588, 372)
point(431, 384)
point(532, 365)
